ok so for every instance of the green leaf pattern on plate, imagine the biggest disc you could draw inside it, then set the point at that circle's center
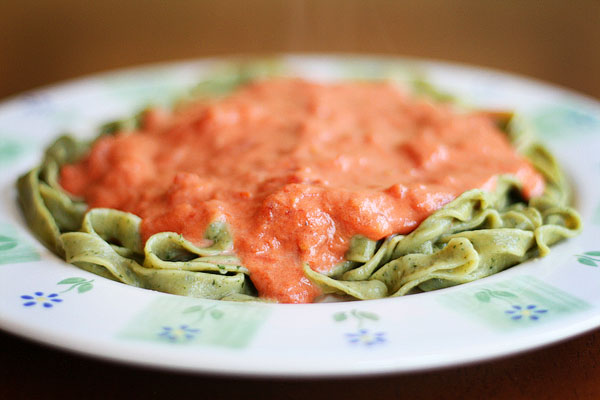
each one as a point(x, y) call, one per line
point(14, 248)
point(514, 303)
point(153, 87)
point(360, 335)
point(591, 258)
point(11, 149)
point(83, 285)
point(564, 121)
point(203, 311)
point(180, 320)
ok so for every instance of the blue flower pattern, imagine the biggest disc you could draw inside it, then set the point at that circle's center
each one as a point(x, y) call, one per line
point(179, 334)
point(50, 300)
point(47, 301)
point(361, 336)
point(366, 337)
point(532, 312)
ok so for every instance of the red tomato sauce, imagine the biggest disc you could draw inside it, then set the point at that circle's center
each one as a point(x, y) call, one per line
point(296, 169)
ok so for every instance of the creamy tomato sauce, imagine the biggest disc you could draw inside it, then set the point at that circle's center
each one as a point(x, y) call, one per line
point(296, 169)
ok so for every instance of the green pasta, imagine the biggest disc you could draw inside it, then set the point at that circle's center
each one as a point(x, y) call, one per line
point(476, 235)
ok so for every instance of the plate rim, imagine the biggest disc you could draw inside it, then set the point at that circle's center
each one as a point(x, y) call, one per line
point(582, 326)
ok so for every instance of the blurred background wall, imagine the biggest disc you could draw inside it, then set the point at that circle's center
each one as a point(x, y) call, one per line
point(46, 41)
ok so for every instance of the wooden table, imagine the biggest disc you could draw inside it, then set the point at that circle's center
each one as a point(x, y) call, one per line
point(569, 370)
point(46, 41)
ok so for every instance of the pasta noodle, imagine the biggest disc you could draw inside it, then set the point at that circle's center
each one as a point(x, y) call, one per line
point(478, 234)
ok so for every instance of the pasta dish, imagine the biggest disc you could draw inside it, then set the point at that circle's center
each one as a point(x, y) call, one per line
point(286, 190)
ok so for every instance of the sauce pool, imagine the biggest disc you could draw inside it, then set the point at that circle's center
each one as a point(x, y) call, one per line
point(296, 169)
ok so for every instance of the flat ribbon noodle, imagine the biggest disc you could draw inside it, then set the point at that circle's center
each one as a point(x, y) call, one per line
point(106, 232)
point(476, 235)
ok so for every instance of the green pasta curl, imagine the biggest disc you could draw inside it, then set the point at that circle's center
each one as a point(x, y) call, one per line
point(476, 235)
point(109, 240)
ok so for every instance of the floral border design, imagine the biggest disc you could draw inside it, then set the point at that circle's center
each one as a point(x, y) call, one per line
point(361, 335)
point(52, 299)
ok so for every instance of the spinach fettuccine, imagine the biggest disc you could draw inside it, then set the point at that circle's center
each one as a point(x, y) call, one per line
point(477, 234)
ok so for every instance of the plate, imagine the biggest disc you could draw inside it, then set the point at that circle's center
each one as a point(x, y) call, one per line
point(533, 304)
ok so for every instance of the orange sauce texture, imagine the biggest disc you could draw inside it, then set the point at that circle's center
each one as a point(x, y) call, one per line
point(296, 169)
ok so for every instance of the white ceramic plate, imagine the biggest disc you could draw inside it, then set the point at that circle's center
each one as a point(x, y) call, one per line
point(530, 305)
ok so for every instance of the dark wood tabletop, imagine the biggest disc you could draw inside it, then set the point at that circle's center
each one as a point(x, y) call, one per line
point(47, 41)
point(568, 370)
